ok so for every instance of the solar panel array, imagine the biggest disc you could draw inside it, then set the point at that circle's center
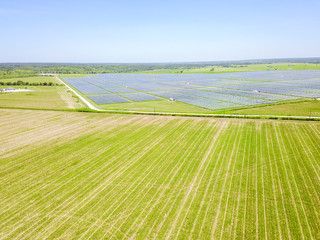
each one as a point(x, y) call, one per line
point(107, 98)
point(212, 91)
point(138, 96)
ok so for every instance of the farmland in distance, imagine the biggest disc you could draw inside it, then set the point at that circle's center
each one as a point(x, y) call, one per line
point(78, 175)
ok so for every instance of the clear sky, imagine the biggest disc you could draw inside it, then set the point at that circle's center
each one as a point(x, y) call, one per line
point(157, 30)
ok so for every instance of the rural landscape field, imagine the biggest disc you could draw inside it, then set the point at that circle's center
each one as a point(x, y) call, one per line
point(71, 172)
point(195, 120)
point(71, 175)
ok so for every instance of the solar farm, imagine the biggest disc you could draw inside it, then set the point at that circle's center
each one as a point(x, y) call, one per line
point(210, 91)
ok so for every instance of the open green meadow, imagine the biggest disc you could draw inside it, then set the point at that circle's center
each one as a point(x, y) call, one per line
point(41, 97)
point(155, 106)
point(308, 108)
point(237, 68)
point(53, 97)
point(72, 175)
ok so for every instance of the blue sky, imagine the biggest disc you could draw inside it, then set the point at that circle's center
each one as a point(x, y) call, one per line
point(157, 31)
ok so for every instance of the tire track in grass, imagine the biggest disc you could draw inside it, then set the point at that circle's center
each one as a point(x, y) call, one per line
point(136, 184)
point(246, 191)
point(42, 132)
point(309, 152)
point(216, 137)
point(257, 187)
point(70, 129)
point(202, 203)
point(302, 176)
point(263, 189)
point(315, 133)
point(113, 229)
point(290, 187)
point(235, 220)
point(172, 175)
point(141, 141)
point(129, 191)
point(209, 145)
point(15, 120)
point(226, 175)
point(281, 191)
point(144, 207)
point(28, 138)
point(98, 190)
point(251, 222)
point(217, 126)
point(196, 186)
point(44, 184)
point(308, 184)
point(186, 174)
point(221, 177)
point(192, 184)
point(235, 210)
point(309, 138)
point(221, 156)
point(142, 190)
point(231, 178)
point(79, 126)
point(17, 123)
point(104, 229)
point(31, 166)
point(47, 156)
point(117, 158)
point(22, 124)
point(183, 177)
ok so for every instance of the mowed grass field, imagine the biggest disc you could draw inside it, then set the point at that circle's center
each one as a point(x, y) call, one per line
point(154, 106)
point(309, 108)
point(44, 97)
point(72, 175)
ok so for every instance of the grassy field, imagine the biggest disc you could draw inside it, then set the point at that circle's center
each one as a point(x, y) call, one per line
point(86, 175)
point(239, 68)
point(155, 106)
point(46, 97)
point(53, 97)
point(305, 108)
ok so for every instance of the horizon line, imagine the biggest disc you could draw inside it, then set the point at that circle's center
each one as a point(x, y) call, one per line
point(173, 62)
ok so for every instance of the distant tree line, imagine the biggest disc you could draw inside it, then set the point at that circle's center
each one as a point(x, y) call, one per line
point(28, 70)
point(11, 70)
point(22, 83)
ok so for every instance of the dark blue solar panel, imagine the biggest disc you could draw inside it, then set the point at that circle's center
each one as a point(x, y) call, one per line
point(137, 97)
point(107, 98)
